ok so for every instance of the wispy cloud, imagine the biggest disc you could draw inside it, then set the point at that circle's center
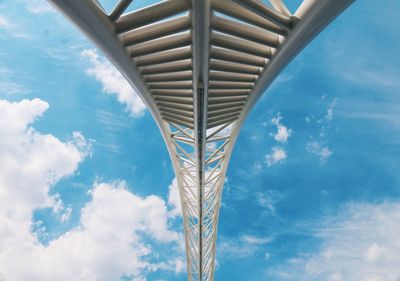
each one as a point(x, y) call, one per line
point(38, 6)
point(113, 82)
point(360, 243)
point(244, 246)
point(111, 122)
point(329, 111)
point(60, 210)
point(318, 143)
point(355, 59)
point(112, 147)
point(7, 84)
point(316, 148)
point(65, 56)
point(10, 88)
point(5, 23)
point(367, 68)
point(268, 199)
point(12, 29)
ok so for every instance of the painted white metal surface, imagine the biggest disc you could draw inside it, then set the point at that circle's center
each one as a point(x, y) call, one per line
point(200, 66)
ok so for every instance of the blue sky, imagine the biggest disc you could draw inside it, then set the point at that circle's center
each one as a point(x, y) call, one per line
point(87, 190)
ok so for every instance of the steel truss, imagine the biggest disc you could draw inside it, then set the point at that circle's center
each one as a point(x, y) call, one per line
point(200, 66)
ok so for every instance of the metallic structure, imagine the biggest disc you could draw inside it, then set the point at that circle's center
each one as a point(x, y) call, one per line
point(200, 66)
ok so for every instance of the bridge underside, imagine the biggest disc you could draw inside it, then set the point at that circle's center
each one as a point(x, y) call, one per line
point(200, 66)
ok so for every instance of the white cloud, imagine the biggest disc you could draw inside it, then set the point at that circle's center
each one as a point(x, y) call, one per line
point(60, 210)
point(242, 247)
point(31, 161)
point(180, 266)
point(211, 146)
point(257, 167)
point(255, 240)
point(375, 252)
point(318, 143)
point(38, 6)
point(11, 28)
point(283, 133)
point(5, 23)
point(105, 246)
point(268, 199)
point(363, 65)
point(267, 256)
point(224, 132)
point(329, 111)
point(361, 243)
point(276, 156)
point(12, 88)
point(107, 243)
point(8, 85)
point(113, 82)
point(266, 202)
point(322, 152)
point(174, 199)
point(66, 214)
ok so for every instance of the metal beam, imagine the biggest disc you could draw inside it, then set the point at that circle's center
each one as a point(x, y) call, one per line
point(119, 9)
point(201, 19)
point(151, 14)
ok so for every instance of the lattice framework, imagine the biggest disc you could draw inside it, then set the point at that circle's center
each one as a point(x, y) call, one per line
point(200, 66)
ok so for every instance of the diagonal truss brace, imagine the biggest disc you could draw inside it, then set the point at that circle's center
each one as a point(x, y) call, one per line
point(216, 143)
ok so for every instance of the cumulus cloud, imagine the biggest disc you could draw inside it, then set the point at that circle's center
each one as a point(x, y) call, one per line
point(174, 200)
point(31, 161)
point(283, 133)
point(113, 82)
point(361, 243)
point(106, 245)
point(322, 152)
point(276, 156)
point(277, 153)
point(108, 242)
